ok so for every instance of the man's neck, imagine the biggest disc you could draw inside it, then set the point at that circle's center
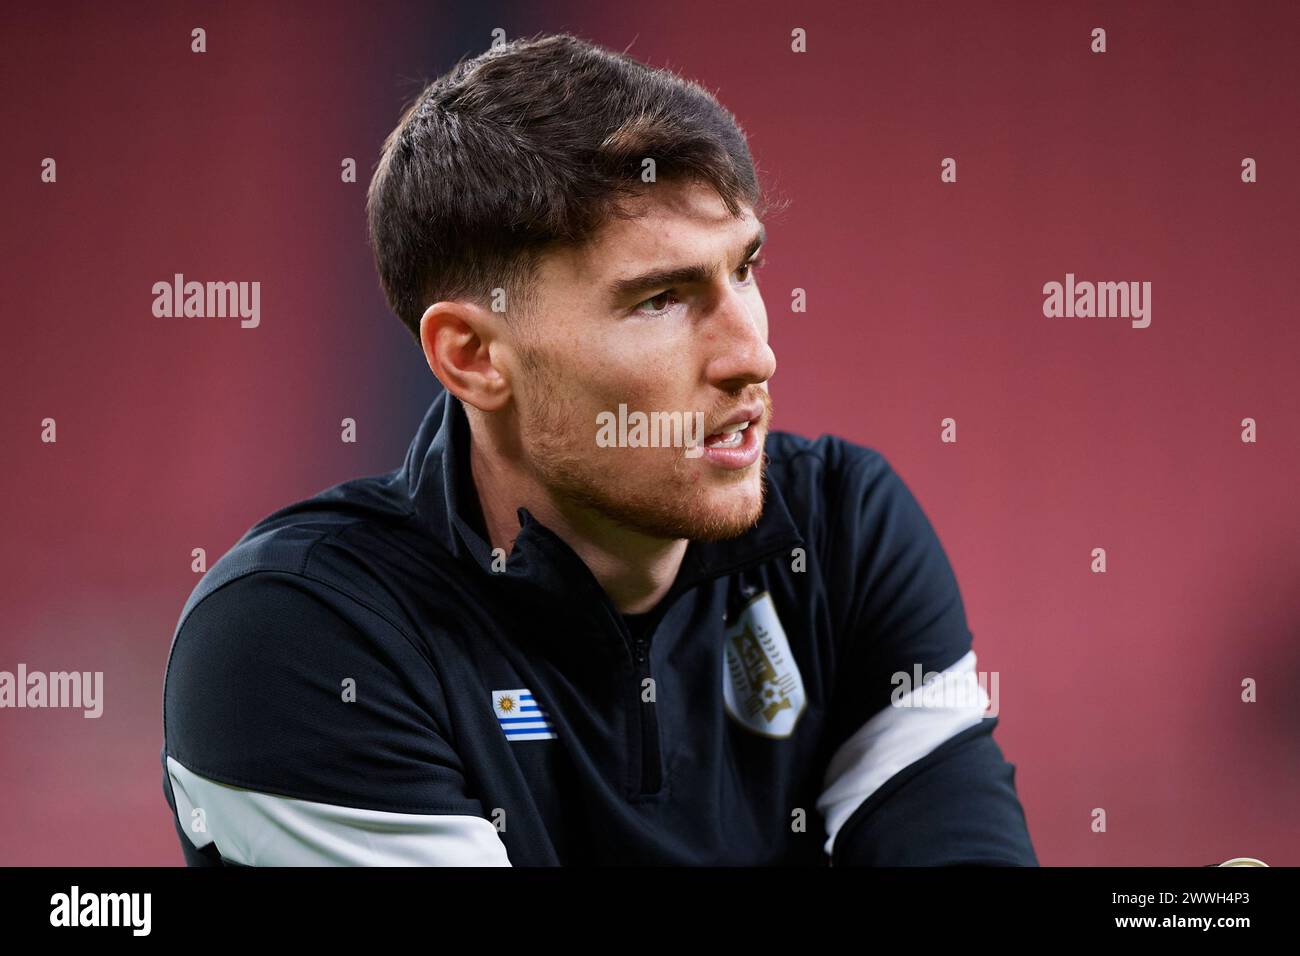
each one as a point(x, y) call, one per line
point(635, 570)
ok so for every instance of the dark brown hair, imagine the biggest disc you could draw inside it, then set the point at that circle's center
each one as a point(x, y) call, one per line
point(530, 145)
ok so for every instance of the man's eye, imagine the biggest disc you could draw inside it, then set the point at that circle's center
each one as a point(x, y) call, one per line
point(750, 267)
point(747, 269)
point(653, 299)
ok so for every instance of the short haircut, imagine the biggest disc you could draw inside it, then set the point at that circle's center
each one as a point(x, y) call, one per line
point(528, 146)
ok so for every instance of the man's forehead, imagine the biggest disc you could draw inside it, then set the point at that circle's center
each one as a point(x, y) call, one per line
point(670, 224)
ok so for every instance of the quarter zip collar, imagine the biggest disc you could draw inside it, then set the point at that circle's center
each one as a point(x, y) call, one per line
point(437, 480)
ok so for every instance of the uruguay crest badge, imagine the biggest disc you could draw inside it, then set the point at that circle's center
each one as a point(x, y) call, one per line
point(761, 684)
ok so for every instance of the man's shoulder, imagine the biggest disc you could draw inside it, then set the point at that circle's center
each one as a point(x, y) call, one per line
point(336, 548)
point(848, 499)
point(814, 474)
point(275, 638)
point(280, 684)
point(290, 647)
point(832, 454)
point(344, 584)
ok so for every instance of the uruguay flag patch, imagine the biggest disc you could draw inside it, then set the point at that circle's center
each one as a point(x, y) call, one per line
point(520, 716)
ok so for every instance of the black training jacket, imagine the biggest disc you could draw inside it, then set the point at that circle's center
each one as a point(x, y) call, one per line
point(354, 682)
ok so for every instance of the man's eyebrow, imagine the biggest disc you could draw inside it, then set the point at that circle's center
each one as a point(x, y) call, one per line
point(622, 289)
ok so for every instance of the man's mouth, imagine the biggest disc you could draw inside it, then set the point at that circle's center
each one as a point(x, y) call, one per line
point(737, 443)
point(733, 436)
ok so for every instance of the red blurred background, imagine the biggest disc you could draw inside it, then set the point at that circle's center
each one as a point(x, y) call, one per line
point(1118, 691)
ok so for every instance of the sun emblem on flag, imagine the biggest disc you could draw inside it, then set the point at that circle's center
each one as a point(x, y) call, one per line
point(520, 715)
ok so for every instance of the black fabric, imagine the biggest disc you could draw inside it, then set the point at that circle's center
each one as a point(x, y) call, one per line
point(639, 625)
point(271, 663)
point(768, 652)
point(911, 819)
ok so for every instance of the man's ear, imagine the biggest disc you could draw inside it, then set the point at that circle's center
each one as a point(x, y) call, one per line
point(461, 342)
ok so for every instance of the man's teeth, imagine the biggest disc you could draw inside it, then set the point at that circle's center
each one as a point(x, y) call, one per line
point(733, 436)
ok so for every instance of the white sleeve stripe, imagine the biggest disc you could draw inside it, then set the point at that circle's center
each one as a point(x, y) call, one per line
point(897, 736)
point(264, 829)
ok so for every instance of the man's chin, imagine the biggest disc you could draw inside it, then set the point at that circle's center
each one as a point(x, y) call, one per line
point(727, 522)
point(717, 517)
point(671, 508)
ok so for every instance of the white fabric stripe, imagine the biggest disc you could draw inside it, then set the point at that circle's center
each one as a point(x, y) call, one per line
point(263, 829)
point(898, 736)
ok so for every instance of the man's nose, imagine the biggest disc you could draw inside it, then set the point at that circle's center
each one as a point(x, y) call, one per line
point(737, 338)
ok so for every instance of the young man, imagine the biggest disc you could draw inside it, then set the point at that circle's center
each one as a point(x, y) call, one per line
point(601, 613)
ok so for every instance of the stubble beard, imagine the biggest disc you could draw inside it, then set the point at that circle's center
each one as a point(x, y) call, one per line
point(566, 460)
